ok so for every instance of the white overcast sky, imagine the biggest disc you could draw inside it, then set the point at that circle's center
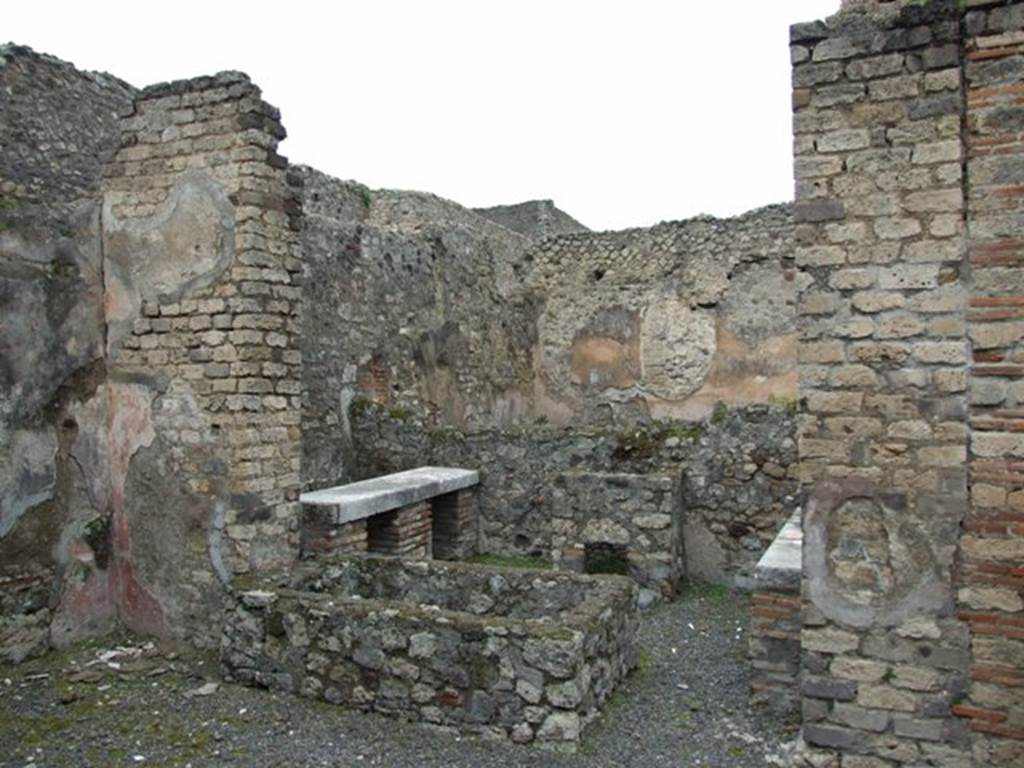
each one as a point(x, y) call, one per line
point(625, 113)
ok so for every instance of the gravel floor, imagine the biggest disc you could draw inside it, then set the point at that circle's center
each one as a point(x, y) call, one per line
point(686, 706)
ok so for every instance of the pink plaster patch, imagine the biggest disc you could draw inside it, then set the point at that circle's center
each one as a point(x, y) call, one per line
point(117, 302)
point(130, 427)
point(138, 609)
point(83, 606)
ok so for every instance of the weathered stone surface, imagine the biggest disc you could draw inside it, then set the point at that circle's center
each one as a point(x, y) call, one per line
point(356, 501)
point(540, 486)
point(885, 447)
point(371, 626)
point(57, 126)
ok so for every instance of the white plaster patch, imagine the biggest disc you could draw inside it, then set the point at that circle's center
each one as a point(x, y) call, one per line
point(677, 344)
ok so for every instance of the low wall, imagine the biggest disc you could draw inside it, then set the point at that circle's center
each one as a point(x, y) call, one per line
point(736, 474)
point(620, 523)
point(524, 655)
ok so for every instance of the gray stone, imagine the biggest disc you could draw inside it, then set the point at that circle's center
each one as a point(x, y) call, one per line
point(357, 501)
point(480, 707)
point(560, 726)
point(371, 658)
point(565, 695)
point(422, 645)
point(919, 728)
point(830, 736)
point(814, 211)
point(828, 688)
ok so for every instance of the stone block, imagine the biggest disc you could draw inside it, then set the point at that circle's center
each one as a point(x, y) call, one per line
point(858, 669)
point(908, 277)
point(833, 737)
point(886, 697)
point(828, 688)
point(878, 301)
point(860, 718)
point(920, 728)
point(819, 210)
point(845, 140)
point(829, 640)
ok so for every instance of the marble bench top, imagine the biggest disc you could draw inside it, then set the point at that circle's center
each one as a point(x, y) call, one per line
point(780, 567)
point(357, 501)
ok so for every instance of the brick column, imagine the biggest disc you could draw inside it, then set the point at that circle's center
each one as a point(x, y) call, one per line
point(774, 651)
point(324, 540)
point(878, 117)
point(203, 294)
point(404, 532)
point(991, 594)
point(455, 525)
point(775, 622)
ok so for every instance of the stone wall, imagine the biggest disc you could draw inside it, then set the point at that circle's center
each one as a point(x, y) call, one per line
point(525, 655)
point(535, 219)
point(56, 126)
point(665, 322)
point(737, 472)
point(151, 384)
point(880, 122)
point(449, 313)
point(610, 522)
point(414, 310)
point(162, 368)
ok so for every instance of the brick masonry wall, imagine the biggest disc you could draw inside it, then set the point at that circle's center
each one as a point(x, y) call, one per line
point(774, 651)
point(878, 105)
point(402, 532)
point(991, 583)
point(203, 296)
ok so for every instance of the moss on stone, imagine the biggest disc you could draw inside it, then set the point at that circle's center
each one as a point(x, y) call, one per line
point(791, 404)
point(445, 435)
point(360, 406)
point(510, 561)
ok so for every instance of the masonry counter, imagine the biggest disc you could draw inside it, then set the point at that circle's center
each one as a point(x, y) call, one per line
point(520, 654)
point(423, 512)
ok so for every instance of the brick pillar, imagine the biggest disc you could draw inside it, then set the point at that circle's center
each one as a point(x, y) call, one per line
point(775, 622)
point(455, 525)
point(991, 594)
point(203, 294)
point(877, 134)
point(404, 532)
point(324, 540)
point(774, 652)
